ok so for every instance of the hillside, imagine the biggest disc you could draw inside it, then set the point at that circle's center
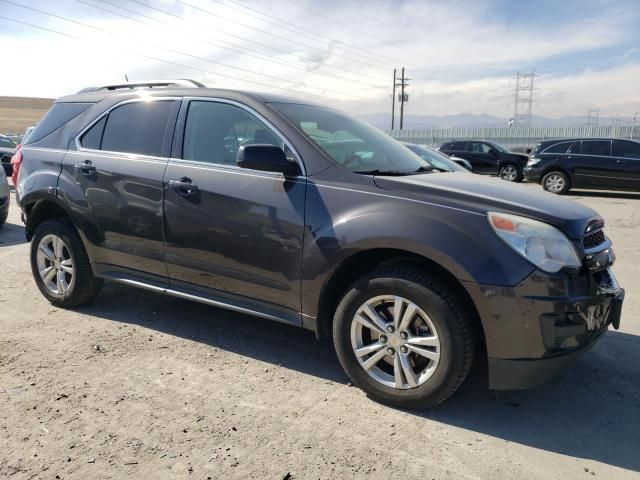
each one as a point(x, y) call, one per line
point(18, 113)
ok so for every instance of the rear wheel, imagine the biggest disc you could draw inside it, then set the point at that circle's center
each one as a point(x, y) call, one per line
point(401, 337)
point(510, 173)
point(60, 264)
point(556, 182)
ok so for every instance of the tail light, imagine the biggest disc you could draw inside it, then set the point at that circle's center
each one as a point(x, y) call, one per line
point(16, 160)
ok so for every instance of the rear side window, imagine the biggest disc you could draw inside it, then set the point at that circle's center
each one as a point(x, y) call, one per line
point(596, 147)
point(138, 127)
point(626, 149)
point(57, 116)
point(562, 147)
point(93, 137)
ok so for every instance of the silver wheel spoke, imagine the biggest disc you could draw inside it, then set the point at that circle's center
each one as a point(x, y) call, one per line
point(430, 354)
point(407, 370)
point(67, 266)
point(375, 317)
point(46, 251)
point(47, 274)
point(375, 358)
point(371, 348)
point(397, 372)
point(58, 247)
point(61, 282)
point(408, 316)
point(431, 341)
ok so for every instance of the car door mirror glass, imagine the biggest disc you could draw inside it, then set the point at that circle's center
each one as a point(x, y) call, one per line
point(269, 158)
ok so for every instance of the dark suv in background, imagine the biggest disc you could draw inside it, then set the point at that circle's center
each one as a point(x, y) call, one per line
point(488, 158)
point(592, 163)
point(301, 214)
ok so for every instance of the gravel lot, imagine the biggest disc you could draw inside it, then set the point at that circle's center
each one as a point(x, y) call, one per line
point(138, 384)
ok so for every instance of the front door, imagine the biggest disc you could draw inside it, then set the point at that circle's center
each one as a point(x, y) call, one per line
point(232, 233)
point(119, 167)
point(482, 160)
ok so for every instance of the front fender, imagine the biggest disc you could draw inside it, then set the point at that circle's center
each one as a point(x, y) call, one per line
point(460, 241)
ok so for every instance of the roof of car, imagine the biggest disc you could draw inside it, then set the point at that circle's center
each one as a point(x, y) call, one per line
point(96, 96)
point(558, 140)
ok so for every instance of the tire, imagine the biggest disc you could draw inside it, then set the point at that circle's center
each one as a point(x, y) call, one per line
point(511, 173)
point(448, 323)
point(4, 213)
point(556, 182)
point(76, 288)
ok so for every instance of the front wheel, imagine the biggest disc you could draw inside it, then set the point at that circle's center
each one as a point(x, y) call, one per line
point(510, 173)
point(60, 264)
point(402, 337)
point(556, 182)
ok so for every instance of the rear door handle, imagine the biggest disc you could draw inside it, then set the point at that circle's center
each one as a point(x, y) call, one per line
point(85, 167)
point(184, 186)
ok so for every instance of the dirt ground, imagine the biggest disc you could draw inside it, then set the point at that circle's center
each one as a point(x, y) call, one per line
point(146, 386)
point(18, 113)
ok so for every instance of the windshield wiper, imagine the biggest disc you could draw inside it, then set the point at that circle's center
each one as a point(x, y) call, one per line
point(396, 173)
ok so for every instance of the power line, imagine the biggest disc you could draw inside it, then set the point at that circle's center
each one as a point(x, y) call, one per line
point(288, 40)
point(66, 19)
point(351, 27)
point(296, 29)
point(150, 57)
point(216, 43)
point(262, 45)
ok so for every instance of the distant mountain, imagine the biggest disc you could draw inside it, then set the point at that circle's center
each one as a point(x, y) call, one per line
point(383, 121)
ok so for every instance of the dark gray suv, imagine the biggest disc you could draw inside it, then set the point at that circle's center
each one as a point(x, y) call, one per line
point(301, 214)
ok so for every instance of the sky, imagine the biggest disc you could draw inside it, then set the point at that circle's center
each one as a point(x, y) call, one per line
point(460, 56)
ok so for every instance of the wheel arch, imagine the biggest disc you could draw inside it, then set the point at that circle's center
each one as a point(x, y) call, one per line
point(363, 262)
point(40, 210)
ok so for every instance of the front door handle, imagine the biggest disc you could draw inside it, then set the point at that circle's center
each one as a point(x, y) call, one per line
point(184, 186)
point(86, 167)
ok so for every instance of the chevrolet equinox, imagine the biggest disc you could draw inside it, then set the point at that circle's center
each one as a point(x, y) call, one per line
point(302, 214)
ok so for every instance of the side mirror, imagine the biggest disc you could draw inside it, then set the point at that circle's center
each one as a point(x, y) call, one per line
point(268, 158)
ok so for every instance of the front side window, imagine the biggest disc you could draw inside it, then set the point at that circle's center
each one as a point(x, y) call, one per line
point(137, 127)
point(626, 149)
point(351, 142)
point(479, 147)
point(215, 131)
point(596, 147)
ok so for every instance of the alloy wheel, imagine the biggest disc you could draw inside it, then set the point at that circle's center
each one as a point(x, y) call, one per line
point(509, 173)
point(554, 183)
point(55, 264)
point(395, 342)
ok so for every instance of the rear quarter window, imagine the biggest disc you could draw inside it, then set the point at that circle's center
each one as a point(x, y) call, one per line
point(57, 116)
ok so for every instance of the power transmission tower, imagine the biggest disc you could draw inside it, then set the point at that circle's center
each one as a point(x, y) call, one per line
point(393, 101)
point(402, 96)
point(592, 117)
point(523, 102)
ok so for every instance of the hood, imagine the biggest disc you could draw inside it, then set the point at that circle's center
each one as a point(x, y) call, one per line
point(520, 157)
point(481, 194)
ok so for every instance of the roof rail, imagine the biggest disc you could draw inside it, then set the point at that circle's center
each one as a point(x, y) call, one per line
point(177, 83)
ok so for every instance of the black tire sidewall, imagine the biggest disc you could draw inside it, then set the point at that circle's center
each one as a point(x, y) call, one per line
point(446, 376)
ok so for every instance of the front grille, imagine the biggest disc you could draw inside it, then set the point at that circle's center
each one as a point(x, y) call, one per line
point(592, 240)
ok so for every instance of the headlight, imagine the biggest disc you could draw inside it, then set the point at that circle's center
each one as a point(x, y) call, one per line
point(540, 243)
point(532, 161)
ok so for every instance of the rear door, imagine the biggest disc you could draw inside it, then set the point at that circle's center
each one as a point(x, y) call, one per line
point(626, 155)
point(594, 167)
point(232, 234)
point(119, 166)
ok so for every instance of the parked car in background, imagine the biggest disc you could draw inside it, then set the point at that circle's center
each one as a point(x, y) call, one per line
point(7, 150)
point(488, 158)
point(591, 163)
point(438, 159)
point(305, 215)
point(17, 156)
point(5, 197)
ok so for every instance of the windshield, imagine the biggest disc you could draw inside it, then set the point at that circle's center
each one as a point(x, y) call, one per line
point(436, 159)
point(350, 142)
